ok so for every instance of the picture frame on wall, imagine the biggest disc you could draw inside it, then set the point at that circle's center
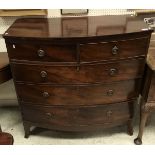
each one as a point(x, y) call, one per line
point(74, 11)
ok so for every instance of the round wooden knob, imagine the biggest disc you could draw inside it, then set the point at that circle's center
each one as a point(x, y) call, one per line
point(43, 74)
point(49, 115)
point(45, 94)
point(110, 93)
point(41, 53)
point(113, 71)
point(115, 50)
point(109, 113)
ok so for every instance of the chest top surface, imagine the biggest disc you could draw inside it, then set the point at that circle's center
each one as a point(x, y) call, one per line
point(76, 27)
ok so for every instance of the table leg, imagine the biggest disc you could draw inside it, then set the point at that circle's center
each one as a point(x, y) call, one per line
point(26, 129)
point(129, 127)
point(144, 116)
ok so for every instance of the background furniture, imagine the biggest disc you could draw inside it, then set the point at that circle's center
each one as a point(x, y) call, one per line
point(5, 74)
point(77, 83)
point(147, 105)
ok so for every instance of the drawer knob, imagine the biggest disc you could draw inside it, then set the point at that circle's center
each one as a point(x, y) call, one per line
point(110, 93)
point(41, 53)
point(49, 115)
point(43, 74)
point(45, 94)
point(113, 71)
point(115, 50)
point(109, 113)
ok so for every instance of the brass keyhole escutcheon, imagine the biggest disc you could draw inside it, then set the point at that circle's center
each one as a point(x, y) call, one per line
point(46, 94)
point(115, 50)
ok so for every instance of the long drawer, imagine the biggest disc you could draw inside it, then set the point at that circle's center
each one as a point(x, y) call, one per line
point(78, 95)
point(92, 73)
point(113, 50)
point(76, 117)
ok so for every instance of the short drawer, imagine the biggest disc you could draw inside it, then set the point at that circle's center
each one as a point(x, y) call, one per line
point(93, 73)
point(78, 116)
point(113, 50)
point(48, 53)
point(78, 95)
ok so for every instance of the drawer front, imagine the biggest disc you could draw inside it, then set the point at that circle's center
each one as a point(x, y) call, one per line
point(76, 116)
point(151, 93)
point(78, 95)
point(100, 73)
point(51, 53)
point(113, 50)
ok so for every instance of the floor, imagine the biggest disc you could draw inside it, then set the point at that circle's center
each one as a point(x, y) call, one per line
point(11, 122)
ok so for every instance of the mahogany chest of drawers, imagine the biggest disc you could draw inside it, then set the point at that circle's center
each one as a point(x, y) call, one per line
point(77, 74)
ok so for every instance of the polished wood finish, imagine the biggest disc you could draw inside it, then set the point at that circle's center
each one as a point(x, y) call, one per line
point(79, 94)
point(47, 53)
point(6, 139)
point(76, 118)
point(129, 24)
point(73, 79)
point(79, 74)
point(113, 50)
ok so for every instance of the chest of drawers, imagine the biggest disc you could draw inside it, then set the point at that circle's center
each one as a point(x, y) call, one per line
point(77, 81)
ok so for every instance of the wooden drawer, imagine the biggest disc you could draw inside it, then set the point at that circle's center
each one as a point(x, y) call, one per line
point(113, 50)
point(34, 52)
point(78, 95)
point(92, 73)
point(77, 117)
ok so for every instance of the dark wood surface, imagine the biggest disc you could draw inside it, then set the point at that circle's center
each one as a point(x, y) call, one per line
point(79, 95)
point(41, 52)
point(27, 27)
point(71, 77)
point(103, 51)
point(76, 118)
point(6, 139)
point(147, 105)
point(109, 72)
point(113, 50)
